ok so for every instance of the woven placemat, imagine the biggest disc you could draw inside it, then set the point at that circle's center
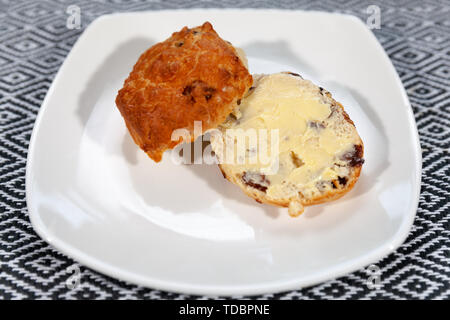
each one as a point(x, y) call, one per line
point(34, 40)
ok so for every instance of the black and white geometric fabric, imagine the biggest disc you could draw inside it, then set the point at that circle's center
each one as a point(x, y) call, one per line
point(34, 41)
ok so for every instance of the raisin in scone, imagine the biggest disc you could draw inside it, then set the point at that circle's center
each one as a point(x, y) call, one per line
point(192, 76)
point(308, 150)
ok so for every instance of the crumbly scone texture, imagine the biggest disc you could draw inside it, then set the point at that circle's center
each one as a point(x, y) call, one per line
point(192, 76)
point(301, 179)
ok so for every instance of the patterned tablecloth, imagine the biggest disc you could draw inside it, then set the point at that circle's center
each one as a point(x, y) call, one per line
point(34, 40)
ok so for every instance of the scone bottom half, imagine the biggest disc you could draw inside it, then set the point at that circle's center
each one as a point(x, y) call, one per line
point(192, 76)
point(319, 155)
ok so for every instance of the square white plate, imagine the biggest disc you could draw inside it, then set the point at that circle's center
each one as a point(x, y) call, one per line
point(96, 197)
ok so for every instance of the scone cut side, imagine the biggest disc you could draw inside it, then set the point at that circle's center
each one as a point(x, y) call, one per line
point(319, 155)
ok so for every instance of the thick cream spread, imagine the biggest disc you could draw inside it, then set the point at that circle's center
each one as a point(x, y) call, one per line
point(298, 129)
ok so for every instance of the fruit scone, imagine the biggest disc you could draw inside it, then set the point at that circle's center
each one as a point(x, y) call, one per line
point(192, 76)
point(307, 152)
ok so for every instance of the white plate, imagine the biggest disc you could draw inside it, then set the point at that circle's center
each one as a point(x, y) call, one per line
point(97, 198)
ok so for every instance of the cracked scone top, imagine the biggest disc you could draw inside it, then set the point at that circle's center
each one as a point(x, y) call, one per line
point(314, 155)
point(192, 76)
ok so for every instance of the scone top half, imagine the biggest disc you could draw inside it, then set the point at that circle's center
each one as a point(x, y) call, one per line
point(192, 76)
point(307, 149)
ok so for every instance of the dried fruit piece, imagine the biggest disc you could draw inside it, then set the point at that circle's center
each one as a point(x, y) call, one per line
point(296, 160)
point(256, 180)
point(354, 157)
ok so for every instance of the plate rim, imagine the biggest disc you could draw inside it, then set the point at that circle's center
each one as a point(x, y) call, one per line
point(294, 283)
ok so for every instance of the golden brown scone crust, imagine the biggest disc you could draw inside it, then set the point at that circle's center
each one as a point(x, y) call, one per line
point(328, 196)
point(192, 76)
